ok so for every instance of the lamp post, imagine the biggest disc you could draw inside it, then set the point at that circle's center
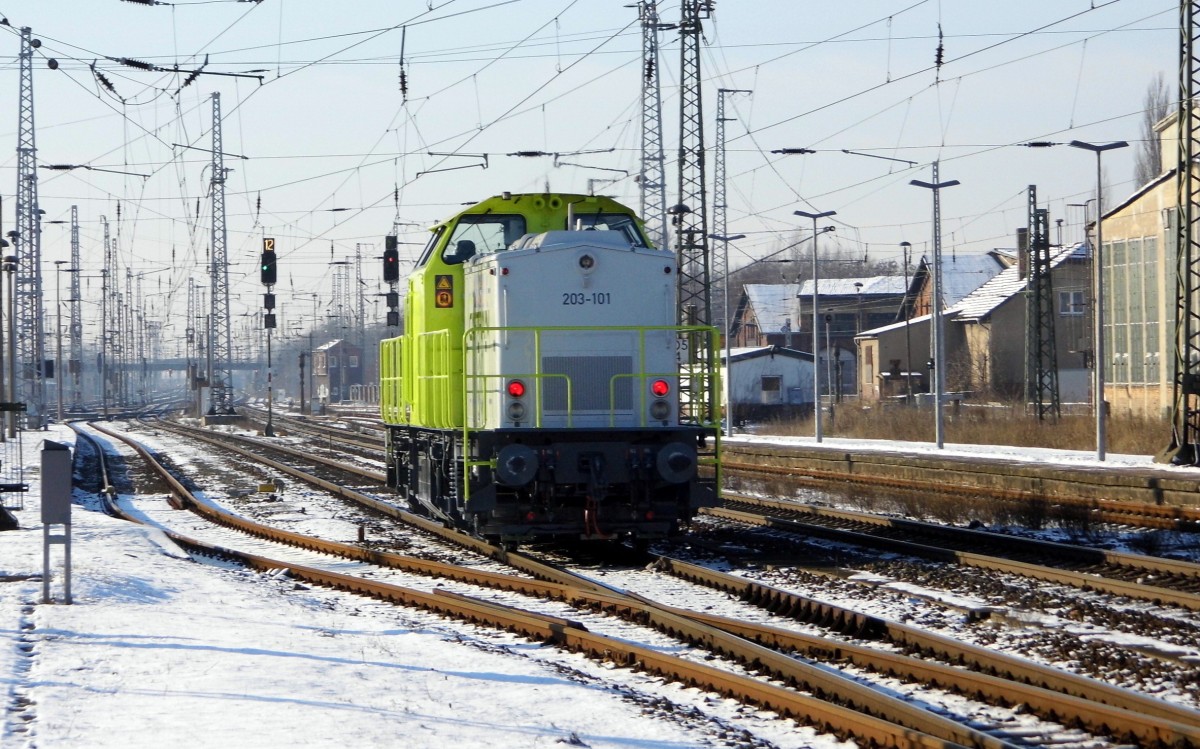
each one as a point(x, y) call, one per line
point(939, 354)
point(3, 385)
point(816, 320)
point(906, 248)
point(10, 265)
point(58, 264)
point(1098, 293)
point(727, 390)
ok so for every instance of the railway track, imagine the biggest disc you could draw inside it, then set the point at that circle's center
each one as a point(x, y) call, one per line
point(715, 632)
point(1154, 579)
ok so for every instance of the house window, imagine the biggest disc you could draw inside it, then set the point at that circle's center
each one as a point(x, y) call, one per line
point(772, 389)
point(353, 362)
point(1070, 303)
point(333, 362)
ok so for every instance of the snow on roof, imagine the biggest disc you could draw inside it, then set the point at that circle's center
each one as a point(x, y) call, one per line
point(872, 286)
point(773, 304)
point(753, 352)
point(981, 302)
point(964, 274)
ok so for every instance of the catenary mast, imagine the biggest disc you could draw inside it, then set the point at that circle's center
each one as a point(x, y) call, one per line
point(653, 177)
point(220, 394)
point(30, 344)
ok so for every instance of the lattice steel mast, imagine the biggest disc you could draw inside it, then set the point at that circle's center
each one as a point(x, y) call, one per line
point(30, 344)
point(653, 177)
point(691, 225)
point(1185, 413)
point(1042, 361)
point(690, 215)
point(75, 331)
point(220, 394)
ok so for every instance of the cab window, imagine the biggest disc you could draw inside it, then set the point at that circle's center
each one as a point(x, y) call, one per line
point(481, 234)
point(621, 222)
point(434, 236)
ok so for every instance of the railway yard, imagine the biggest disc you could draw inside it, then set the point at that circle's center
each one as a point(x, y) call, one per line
point(837, 597)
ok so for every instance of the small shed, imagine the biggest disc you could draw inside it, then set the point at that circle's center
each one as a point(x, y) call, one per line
point(768, 381)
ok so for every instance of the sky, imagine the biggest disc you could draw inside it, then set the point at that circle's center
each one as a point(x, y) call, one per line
point(162, 649)
point(328, 153)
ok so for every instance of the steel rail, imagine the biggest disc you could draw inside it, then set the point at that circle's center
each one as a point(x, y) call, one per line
point(1156, 722)
point(847, 621)
point(1081, 580)
point(1086, 555)
point(854, 719)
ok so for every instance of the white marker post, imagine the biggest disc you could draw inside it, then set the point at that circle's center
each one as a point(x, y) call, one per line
point(56, 510)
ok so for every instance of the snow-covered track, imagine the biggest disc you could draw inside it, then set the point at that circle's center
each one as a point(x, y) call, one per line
point(1146, 721)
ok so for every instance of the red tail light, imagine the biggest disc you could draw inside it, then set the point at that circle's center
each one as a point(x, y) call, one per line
point(660, 388)
point(516, 388)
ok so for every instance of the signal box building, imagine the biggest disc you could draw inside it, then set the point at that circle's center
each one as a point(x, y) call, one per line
point(336, 366)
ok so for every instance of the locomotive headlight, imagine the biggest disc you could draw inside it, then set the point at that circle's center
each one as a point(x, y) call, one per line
point(659, 410)
point(516, 388)
point(587, 262)
point(516, 411)
point(660, 388)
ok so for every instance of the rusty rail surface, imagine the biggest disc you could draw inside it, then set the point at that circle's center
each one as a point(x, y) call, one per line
point(1082, 580)
point(855, 719)
point(1053, 693)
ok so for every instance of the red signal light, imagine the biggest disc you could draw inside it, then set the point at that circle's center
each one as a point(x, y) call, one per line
point(660, 388)
point(516, 388)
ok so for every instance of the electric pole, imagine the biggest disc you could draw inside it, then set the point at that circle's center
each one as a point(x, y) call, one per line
point(652, 178)
point(1042, 354)
point(220, 393)
point(29, 385)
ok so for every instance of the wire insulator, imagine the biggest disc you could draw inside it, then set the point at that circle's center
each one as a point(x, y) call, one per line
point(140, 65)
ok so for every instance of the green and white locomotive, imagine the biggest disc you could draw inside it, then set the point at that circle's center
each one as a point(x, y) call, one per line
point(541, 388)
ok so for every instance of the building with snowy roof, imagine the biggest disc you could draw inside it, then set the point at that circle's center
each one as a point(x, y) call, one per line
point(986, 334)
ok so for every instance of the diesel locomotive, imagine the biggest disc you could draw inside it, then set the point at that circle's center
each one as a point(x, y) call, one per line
point(541, 388)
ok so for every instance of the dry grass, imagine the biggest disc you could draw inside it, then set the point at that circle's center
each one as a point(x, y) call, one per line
point(985, 425)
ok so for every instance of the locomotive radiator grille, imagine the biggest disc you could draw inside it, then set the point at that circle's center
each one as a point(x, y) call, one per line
point(592, 384)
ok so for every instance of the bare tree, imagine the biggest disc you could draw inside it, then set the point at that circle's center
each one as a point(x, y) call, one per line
point(1148, 163)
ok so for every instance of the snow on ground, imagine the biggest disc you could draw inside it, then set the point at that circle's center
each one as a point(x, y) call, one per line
point(158, 650)
point(1004, 452)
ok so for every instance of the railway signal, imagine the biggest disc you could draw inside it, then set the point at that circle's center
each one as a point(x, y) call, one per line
point(267, 266)
point(391, 275)
point(391, 259)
